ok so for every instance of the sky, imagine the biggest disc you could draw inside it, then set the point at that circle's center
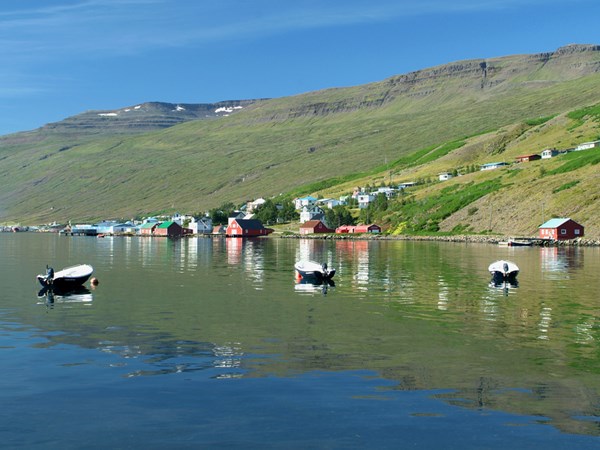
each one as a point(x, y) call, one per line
point(59, 58)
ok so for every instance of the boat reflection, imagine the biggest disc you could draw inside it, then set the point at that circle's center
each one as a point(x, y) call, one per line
point(79, 294)
point(504, 286)
point(312, 286)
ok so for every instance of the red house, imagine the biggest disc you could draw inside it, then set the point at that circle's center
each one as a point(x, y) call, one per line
point(247, 228)
point(358, 229)
point(147, 229)
point(561, 229)
point(169, 229)
point(527, 158)
point(314, 226)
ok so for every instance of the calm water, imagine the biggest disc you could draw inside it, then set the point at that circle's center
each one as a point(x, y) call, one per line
point(204, 343)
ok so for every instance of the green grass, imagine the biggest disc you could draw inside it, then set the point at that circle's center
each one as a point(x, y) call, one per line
point(566, 186)
point(577, 160)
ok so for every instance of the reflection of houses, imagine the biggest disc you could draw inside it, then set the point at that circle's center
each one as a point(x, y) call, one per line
point(169, 229)
point(561, 229)
point(351, 229)
point(314, 226)
point(528, 158)
point(247, 228)
point(311, 213)
point(492, 166)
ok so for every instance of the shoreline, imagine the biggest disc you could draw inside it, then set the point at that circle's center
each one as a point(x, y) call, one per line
point(466, 239)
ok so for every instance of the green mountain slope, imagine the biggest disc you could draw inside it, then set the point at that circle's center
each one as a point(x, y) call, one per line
point(280, 145)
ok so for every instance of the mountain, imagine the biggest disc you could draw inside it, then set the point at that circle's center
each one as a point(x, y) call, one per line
point(318, 142)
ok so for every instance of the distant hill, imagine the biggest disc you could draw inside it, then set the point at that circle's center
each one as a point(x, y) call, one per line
point(320, 142)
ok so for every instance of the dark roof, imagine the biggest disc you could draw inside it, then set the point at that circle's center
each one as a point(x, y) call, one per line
point(250, 224)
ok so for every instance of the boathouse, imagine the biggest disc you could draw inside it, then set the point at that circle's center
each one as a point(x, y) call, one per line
point(247, 228)
point(315, 226)
point(560, 229)
point(169, 229)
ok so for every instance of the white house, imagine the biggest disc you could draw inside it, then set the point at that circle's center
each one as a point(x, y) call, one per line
point(444, 176)
point(364, 200)
point(299, 203)
point(494, 165)
point(388, 191)
point(587, 145)
point(251, 206)
point(549, 153)
point(311, 213)
point(407, 184)
point(202, 225)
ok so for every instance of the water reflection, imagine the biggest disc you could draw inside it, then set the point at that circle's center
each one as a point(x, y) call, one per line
point(79, 294)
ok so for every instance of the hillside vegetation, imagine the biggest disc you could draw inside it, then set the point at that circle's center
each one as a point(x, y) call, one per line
point(406, 128)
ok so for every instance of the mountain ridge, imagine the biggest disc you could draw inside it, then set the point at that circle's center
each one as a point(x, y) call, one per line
point(280, 145)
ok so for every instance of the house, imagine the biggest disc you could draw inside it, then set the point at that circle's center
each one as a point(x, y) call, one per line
point(388, 191)
point(561, 229)
point(247, 228)
point(300, 203)
point(587, 145)
point(311, 213)
point(549, 153)
point(234, 216)
point(350, 229)
point(367, 229)
point(444, 176)
point(201, 226)
point(169, 229)
point(492, 166)
point(407, 184)
point(328, 202)
point(253, 206)
point(364, 200)
point(220, 230)
point(147, 229)
point(314, 226)
point(527, 158)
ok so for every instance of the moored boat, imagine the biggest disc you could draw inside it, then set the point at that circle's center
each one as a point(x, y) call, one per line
point(503, 270)
point(311, 270)
point(515, 243)
point(66, 278)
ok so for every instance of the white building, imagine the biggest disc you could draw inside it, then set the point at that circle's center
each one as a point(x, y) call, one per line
point(587, 145)
point(201, 226)
point(311, 213)
point(364, 200)
point(444, 176)
point(549, 153)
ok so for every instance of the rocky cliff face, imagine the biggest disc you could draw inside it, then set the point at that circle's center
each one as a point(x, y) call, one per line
point(145, 117)
point(476, 78)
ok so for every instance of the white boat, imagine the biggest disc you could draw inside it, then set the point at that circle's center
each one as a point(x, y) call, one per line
point(503, 270)
point(69, 277)
point(311, 270)
point(515, 243)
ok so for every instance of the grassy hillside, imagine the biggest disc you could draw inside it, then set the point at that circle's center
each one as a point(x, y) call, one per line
point(410, 126)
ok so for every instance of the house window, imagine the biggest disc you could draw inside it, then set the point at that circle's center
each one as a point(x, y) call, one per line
point(563, 231)
point(577, 230)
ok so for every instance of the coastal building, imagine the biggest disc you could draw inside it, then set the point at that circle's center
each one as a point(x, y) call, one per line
point(351, 229)
point(201, 226)
point(560, 229)
point(147, 229)
point(314, 226)
point(169, 229)
point(247, 228)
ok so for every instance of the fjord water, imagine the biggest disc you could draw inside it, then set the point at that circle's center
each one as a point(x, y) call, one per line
point(210, 343)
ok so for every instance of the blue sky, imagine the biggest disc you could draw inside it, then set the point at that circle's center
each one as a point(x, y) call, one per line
point(62, 57)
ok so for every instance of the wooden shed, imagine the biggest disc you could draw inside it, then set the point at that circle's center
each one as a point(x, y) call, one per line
point(247, 228)
point(169, 229)
point(561, 229)
point(314, 226)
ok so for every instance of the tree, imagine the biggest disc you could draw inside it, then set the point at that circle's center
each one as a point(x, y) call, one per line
point(220, 215)
point(337, 216)
point(267, 213)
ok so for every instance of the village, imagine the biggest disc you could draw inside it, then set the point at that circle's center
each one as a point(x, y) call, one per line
point(310, 210)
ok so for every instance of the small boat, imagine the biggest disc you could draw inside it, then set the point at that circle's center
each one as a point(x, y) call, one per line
point(69, 277)
point(503, 270)
point(515, 243)
point(311, 270)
